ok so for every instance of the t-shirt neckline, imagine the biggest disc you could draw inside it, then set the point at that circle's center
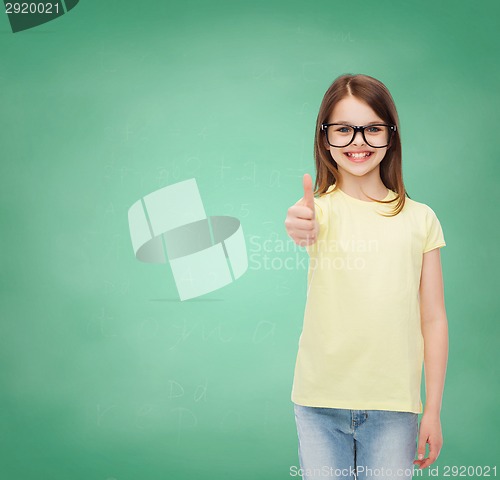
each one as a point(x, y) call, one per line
point(359, 201)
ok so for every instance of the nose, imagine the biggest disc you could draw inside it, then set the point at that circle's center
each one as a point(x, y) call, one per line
point(361, 139)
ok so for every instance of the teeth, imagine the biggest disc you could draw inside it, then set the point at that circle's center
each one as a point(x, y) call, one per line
point(358, 155)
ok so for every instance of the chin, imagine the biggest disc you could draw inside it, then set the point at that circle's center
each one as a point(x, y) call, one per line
point(357, 170)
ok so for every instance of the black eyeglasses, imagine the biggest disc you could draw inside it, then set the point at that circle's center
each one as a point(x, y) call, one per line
point(341, 135)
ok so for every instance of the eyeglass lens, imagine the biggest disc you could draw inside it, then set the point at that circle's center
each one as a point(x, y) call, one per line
point(341, 135)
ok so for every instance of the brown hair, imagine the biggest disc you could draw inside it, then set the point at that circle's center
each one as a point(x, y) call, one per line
point(377, 96)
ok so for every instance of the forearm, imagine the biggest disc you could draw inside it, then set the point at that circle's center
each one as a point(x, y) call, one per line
point(435, 333)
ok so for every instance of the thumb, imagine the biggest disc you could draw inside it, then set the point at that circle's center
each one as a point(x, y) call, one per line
point(308, 192)
point(421, 447)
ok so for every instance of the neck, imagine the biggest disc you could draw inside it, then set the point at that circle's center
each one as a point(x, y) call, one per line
point(360, 187)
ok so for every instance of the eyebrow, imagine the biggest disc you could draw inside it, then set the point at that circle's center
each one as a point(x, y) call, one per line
point(349, 123)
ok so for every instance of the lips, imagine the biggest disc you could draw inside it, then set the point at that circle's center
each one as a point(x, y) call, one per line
point(358, 156)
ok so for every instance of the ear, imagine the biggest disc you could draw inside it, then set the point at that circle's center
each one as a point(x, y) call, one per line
point(325, 143)
point(390, 142)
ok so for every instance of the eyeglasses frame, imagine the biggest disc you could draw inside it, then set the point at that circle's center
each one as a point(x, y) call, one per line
point(393, 128)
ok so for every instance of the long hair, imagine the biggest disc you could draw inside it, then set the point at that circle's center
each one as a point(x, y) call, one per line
point(377, 96)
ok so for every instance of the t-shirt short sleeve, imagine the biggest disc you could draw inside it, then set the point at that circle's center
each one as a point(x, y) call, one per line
point(434, 237)
point(318, 211)
point(322, 218)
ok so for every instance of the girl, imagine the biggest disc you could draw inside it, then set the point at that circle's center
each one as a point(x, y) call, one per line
point(375, 298)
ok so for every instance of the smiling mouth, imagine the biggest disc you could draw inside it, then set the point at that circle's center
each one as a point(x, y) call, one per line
point(358, 156)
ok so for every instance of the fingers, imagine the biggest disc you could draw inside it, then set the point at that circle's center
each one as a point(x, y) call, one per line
point(301, 211)
point(434, 450)
point(421, 447)
point(433, 455)
point(301, 228)
point(422, 440)
point(301, 224)
point(305, 237)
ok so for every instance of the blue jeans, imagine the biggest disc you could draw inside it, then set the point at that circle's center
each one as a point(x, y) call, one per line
point(361, 444)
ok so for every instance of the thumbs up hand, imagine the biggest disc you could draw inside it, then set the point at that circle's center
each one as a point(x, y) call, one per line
point(300, 223)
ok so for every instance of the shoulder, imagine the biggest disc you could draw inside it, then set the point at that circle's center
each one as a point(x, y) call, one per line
point(419, 208)
point(322, 203)
point(324, 198)
point(425, 225)
point(428, 223)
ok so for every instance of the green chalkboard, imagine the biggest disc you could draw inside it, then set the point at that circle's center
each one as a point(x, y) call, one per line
point(105, 372)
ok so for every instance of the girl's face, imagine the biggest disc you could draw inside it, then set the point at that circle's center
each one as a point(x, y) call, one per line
point(352, 111)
